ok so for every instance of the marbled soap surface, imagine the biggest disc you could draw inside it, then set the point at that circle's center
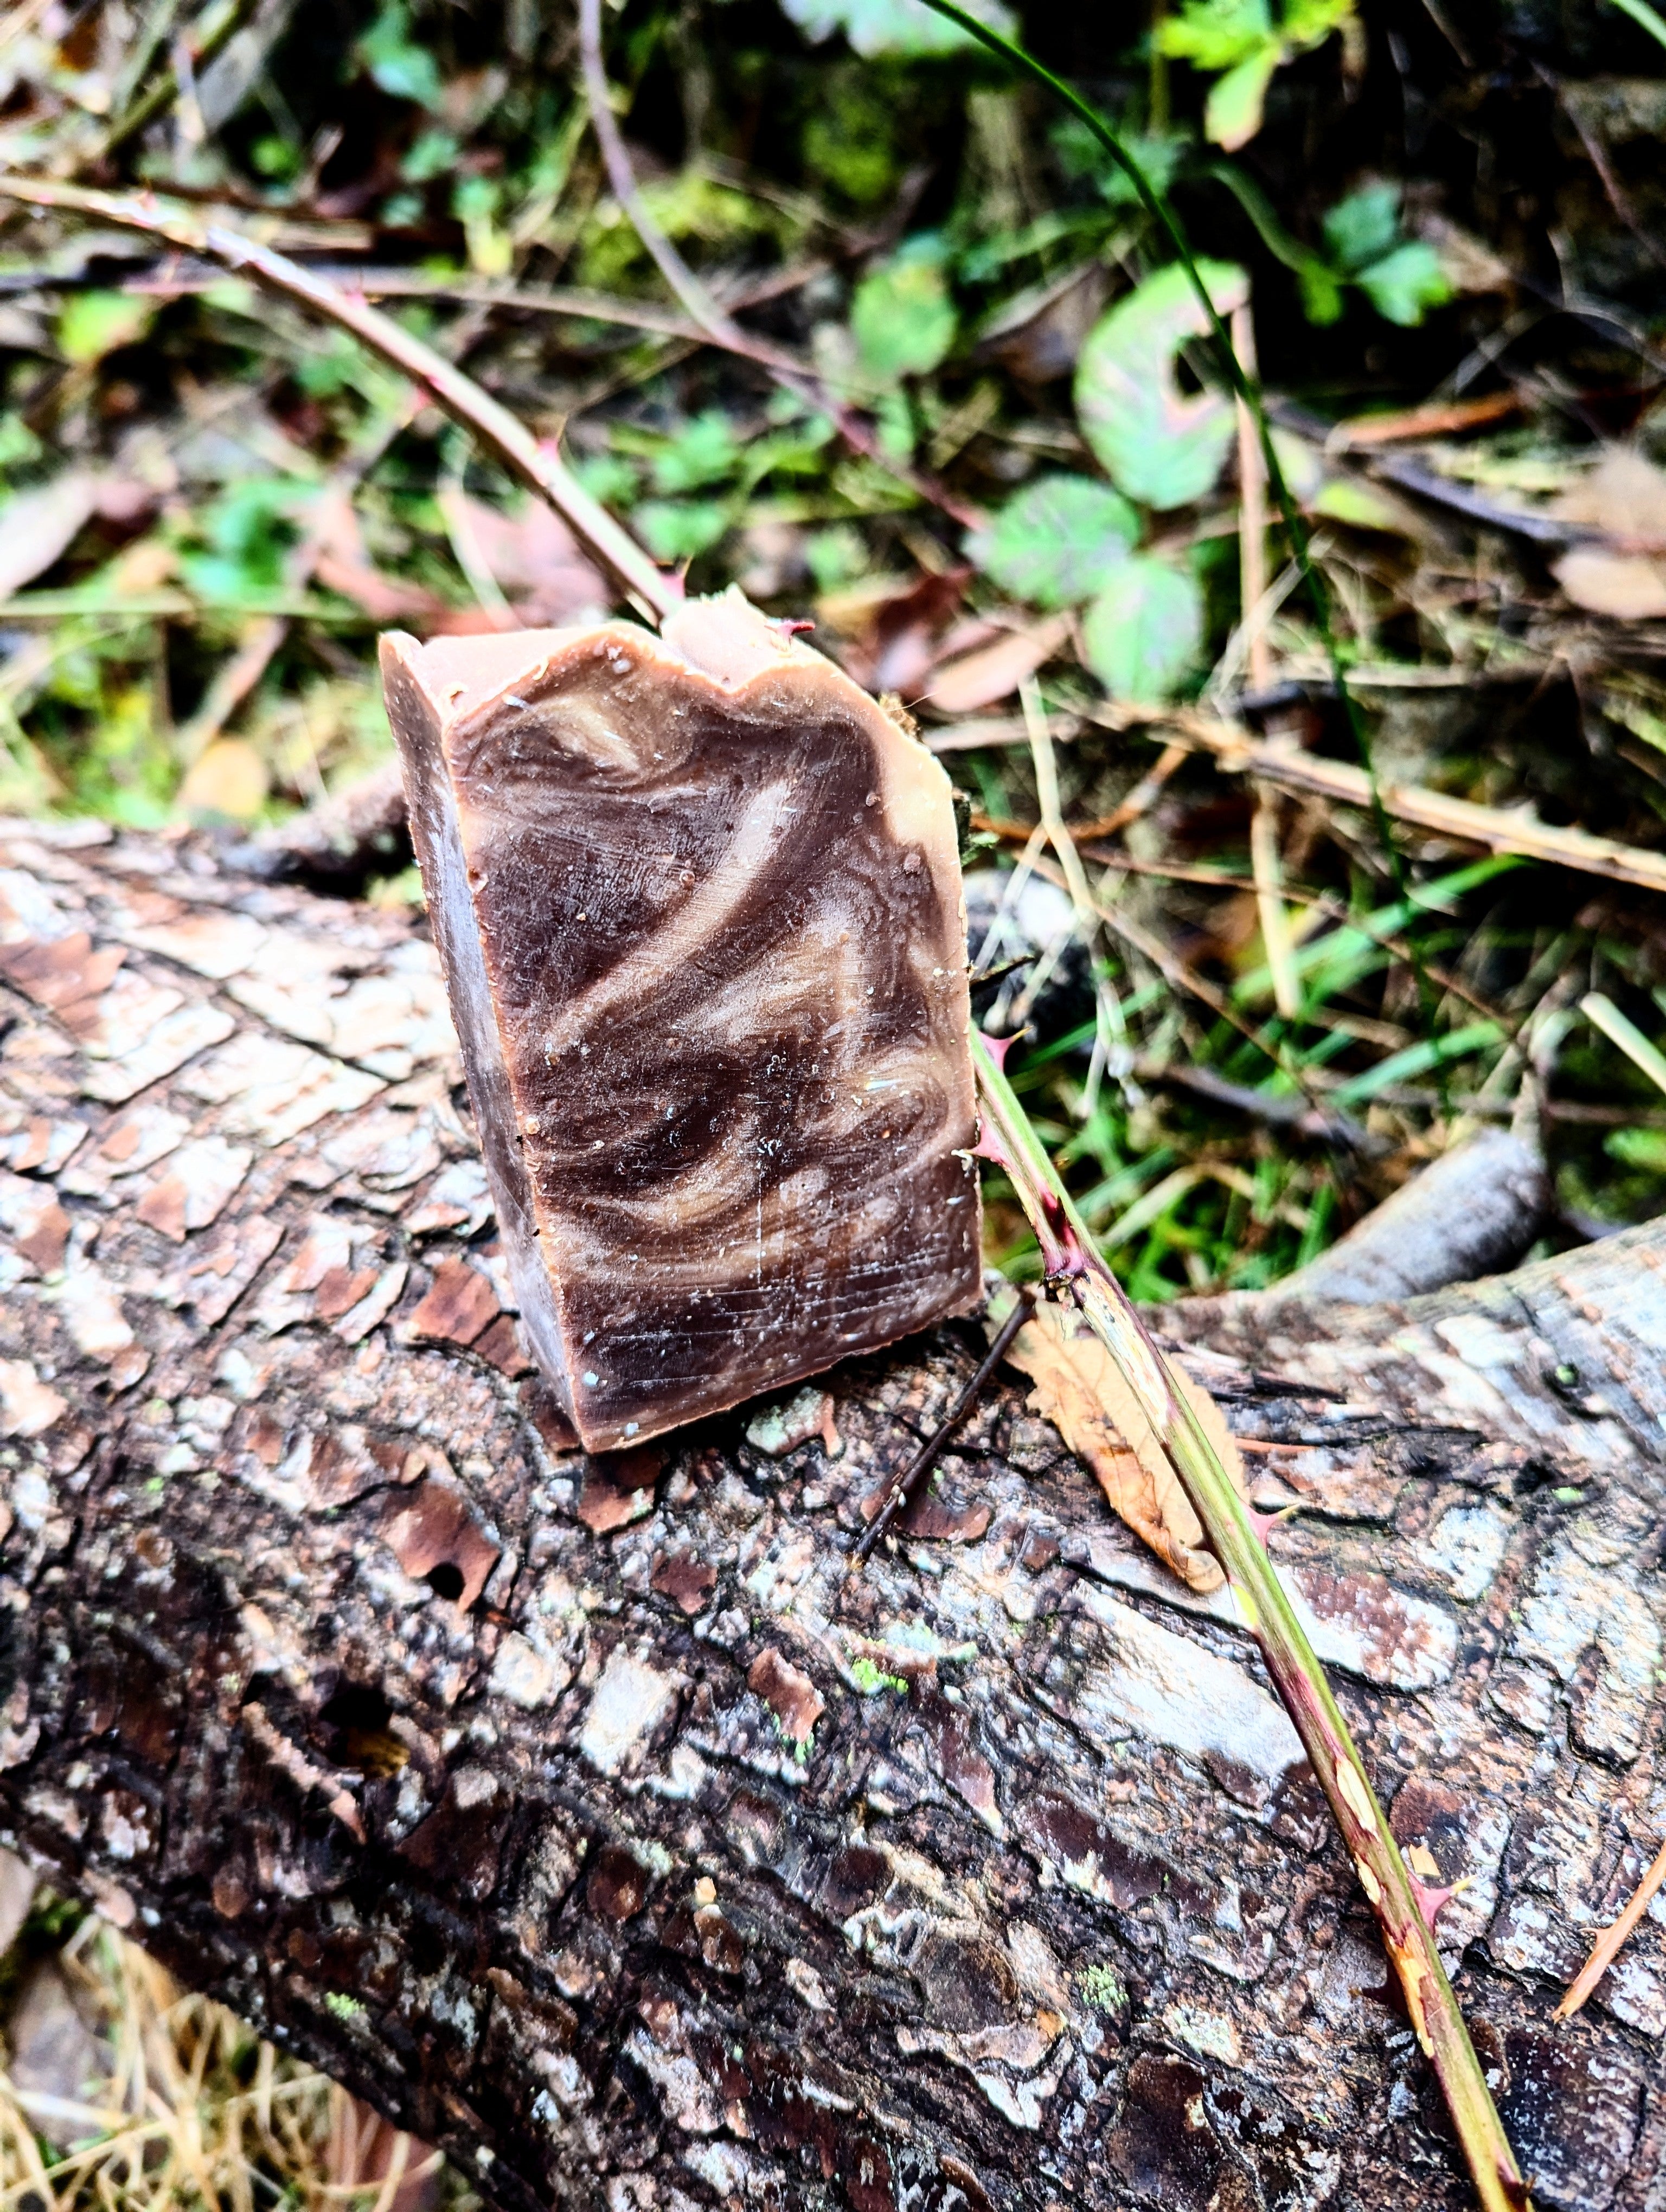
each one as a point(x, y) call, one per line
point(717, 955)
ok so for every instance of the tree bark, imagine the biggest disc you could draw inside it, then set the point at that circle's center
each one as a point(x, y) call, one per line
point(587, 1817)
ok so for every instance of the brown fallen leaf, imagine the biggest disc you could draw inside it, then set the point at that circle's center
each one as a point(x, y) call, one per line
point(1080, 1389)
point(899, 637)
point(1627, 586)
point(228, 783)
point(536, 562)
point(369, 2159)
point(1625, 496)
point(995, 671)
point(41, 525)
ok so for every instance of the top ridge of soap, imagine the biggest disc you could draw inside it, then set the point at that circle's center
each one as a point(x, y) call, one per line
point(698, 900)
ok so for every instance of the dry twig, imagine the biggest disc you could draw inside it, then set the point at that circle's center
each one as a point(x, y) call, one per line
point(535, 461)
point(1240, 752)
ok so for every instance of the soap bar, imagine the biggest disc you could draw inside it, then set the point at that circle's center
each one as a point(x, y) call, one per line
point(698, 902)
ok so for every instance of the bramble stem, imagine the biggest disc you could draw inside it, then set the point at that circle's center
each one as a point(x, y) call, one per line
point(536, 462)
point(1068, 1251)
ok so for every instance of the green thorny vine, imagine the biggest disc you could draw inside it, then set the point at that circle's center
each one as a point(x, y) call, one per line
point(1404, 1907)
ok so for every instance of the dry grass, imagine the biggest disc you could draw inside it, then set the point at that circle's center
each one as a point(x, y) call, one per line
point(193, 2110)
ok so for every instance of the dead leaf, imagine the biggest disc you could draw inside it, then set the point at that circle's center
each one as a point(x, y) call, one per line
point(229, 783)
point(16, 1895)
point(898, 638)
point(979, 679)
point(341, 562)
point(369, 2158)
point(1079, 1388)
point(57, 2060)
point(1038, 335)
point(36, 528)
point(1628, 586)
point(1625, 497)
point(536, 562)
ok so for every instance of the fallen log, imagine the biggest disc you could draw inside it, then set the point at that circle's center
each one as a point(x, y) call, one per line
point(586, 1814)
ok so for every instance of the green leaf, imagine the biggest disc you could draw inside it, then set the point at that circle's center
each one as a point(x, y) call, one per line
point(1405, 284)
point(893, 26)
point(433, 153)
point(901, 317)
point(1057, 542)
point(1159, 444)
point(1639, 1148)
point(402, 69)
point(1141, 635)
point(1309, 23)
point(1364, 226)
point(1359, 502)
point(1216, 34)
point(1322, 291)
point(1232, 113)
point(93, 324)
point(703, 452)
point(680, 529)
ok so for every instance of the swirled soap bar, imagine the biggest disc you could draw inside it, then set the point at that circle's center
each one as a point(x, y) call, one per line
point(698, 902)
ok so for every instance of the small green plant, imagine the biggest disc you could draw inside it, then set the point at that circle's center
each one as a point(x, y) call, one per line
point(1241, 45)
point(344, 2007)
point(396, 63)
point(871, 1679)
point(1068, 540)
point(1402, 277)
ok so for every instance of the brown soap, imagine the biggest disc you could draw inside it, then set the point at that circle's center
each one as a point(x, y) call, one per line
point(699, 905)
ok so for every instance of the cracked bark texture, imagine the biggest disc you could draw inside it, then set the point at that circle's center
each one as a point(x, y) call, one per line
point(582, 1814)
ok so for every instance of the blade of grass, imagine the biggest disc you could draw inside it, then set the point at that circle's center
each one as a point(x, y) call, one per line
point(1071, 1258)
point(1646, 17)
point(1417, 1059)
point(1602, 1014)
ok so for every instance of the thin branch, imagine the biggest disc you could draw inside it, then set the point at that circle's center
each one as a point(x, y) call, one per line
point(146, 109)
point(1606, 1948)
point(1401, 1904)
point(1240, 751)
point(903, 1488)
point(717, 324)
point(536, 462)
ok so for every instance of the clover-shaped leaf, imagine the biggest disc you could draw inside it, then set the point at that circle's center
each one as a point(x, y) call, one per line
point(1057, 542)
point(1159, 444)
point(1141, 635)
